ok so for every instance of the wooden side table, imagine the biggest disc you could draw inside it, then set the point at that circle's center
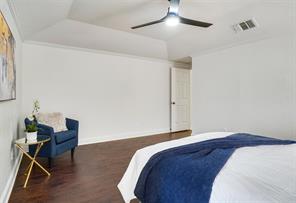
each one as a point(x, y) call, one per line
point(20, 143)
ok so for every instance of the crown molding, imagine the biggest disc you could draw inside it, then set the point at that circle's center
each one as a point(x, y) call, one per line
point(13, 12)
point(54, 45)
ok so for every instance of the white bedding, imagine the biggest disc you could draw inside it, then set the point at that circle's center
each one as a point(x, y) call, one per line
point(262, 174)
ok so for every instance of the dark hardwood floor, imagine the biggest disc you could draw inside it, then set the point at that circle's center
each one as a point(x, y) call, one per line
point(92, 176)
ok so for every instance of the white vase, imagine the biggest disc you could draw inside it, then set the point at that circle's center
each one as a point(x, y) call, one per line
point(31, 136)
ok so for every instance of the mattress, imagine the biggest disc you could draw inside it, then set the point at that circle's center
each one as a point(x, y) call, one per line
point(252, 174)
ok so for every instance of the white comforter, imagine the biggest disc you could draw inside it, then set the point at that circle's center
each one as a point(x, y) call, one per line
point(262, 174)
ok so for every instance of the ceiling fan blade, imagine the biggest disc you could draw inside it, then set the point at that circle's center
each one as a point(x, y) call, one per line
point(150, 23)
point(174, 6)
point(194, 22)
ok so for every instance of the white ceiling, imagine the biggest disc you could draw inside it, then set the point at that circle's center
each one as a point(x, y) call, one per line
point(126, 13)
point(105, 24)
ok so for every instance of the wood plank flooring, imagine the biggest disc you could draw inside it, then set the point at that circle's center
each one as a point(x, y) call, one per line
point(92, 176)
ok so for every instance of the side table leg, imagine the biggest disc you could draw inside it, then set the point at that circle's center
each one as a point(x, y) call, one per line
point(33, 159)
point(29, 173)
point(32, 162)
point(26, 171)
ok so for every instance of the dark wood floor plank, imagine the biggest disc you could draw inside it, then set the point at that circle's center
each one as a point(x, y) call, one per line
point(92, 176)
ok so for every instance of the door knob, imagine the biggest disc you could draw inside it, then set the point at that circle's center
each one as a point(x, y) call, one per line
point(173, 103)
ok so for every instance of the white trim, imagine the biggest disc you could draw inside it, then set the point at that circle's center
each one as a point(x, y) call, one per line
point(183, 65)
point(10, 182)
point(14, 12)
point(107, 138)
point(54, 45)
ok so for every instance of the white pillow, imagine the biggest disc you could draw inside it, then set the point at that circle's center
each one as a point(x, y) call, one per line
point(55, 120)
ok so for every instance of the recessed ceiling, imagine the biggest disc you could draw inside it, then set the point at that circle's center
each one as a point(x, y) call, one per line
point(122, 15)
point(105, 24)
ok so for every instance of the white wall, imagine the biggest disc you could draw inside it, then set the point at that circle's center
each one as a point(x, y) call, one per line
point(112, 96)
point(249, 88)
point(9, 118)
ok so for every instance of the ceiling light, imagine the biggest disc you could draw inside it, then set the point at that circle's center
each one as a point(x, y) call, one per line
point(172, 20)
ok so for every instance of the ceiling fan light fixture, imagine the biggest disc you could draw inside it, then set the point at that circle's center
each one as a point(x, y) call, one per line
point(172, 20)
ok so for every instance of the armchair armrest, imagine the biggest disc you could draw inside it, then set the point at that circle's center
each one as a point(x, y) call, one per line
point(72, 124)
point(45, 130)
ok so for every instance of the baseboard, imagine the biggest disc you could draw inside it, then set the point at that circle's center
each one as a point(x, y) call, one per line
point(92, 140)
point(9, 185)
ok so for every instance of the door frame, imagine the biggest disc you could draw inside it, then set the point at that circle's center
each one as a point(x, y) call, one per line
point(190, 97)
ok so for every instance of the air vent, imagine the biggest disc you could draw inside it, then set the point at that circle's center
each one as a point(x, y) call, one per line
point(245, 25)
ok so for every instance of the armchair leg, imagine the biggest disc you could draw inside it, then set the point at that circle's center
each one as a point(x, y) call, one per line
point(72, 153)
point(49, 162)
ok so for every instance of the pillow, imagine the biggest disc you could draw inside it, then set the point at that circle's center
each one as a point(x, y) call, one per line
point(55, 120)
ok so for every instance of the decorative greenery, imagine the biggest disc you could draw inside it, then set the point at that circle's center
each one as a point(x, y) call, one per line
point(31, 127)
point(36, 107)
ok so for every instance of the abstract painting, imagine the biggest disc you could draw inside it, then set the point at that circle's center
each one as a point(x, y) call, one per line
point(7, 62)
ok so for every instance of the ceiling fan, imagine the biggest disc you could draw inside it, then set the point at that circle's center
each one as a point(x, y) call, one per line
point(173, 18)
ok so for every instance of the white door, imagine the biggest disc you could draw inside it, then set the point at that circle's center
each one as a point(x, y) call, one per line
point(180, 99)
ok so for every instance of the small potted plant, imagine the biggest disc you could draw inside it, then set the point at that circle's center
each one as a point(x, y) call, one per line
point(31, 131)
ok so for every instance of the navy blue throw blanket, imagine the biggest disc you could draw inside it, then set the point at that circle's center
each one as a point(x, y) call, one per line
point(186, 174)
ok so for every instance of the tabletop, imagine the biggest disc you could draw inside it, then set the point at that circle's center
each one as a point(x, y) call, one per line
point(40, 139)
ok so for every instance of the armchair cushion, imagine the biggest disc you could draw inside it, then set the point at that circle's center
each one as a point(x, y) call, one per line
point(56, 120)
point(64, 136)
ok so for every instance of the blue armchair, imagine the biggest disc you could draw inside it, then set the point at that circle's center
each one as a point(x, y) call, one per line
point(59, 143)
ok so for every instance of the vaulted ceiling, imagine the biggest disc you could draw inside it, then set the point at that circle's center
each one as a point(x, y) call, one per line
point(105, 24)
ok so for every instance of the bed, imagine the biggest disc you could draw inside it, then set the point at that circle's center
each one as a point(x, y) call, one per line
point(257, 173)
